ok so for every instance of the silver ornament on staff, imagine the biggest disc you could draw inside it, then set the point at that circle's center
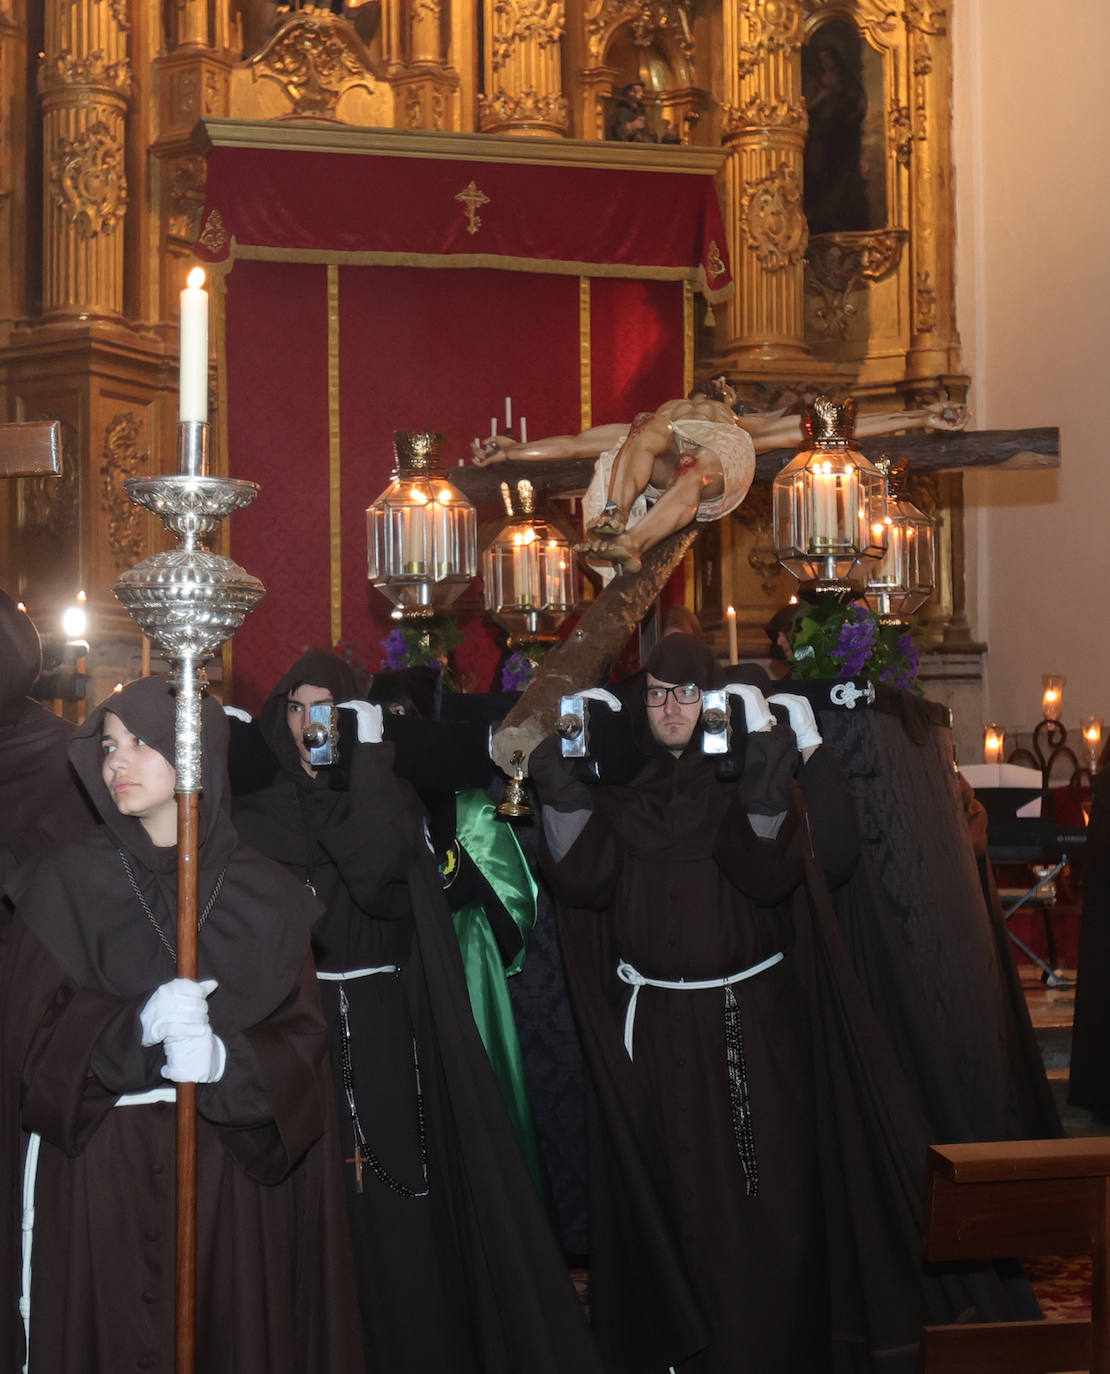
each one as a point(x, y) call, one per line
point(188, 601)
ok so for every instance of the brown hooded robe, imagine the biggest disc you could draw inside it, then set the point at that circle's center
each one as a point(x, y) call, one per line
point(275, 1292)
point(465, 1276)
point(819, 1268)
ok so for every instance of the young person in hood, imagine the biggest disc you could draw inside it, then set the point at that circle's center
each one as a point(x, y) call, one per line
point(95, 1031)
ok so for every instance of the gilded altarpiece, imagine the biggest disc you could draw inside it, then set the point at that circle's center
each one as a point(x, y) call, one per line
point(101, 186)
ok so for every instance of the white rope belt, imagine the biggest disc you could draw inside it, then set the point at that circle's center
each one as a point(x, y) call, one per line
point(151, 1095)
point(356, 973)
point(30, 1179)
point(637, 980)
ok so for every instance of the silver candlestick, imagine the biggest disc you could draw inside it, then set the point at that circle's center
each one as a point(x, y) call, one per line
point(188, 600)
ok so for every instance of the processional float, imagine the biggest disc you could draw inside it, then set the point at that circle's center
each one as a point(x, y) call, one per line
point(188, 601)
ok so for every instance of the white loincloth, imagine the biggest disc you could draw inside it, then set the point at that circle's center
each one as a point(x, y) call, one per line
point(732, 445)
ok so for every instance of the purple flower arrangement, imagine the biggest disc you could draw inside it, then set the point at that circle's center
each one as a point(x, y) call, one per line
point(831, 639)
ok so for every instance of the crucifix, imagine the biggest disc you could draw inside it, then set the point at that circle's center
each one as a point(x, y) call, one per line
point(472, 198)
point(31, 449)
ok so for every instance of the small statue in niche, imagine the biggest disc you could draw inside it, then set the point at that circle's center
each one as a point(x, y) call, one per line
point(630, 120)
point(835, 192)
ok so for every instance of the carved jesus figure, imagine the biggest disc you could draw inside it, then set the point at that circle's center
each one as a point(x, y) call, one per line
point(692, 459)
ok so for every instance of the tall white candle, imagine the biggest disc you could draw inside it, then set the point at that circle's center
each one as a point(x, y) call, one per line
point(193, 379)
point(508, 413)
point(493, 428)
point(733, 646)
point(523, 430)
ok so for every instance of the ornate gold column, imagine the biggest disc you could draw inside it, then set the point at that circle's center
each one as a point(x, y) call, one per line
point(934, 342)
point(764, 126)
point(425, 89)
point(191, 80)
point(523, 68)
point(192, 23)
point(85, 84)
point(13, 173)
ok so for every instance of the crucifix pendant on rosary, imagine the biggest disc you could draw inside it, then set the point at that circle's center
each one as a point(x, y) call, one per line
point(357, 1161)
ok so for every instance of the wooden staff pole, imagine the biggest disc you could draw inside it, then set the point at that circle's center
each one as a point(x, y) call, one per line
point(188, 846)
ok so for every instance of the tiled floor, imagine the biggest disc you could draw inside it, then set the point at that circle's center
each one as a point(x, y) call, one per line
point(1051, 1011)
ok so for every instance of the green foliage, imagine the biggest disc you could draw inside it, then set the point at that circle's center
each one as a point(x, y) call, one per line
point(834, 639)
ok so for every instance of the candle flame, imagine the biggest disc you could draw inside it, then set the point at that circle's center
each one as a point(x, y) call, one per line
point(195, 278)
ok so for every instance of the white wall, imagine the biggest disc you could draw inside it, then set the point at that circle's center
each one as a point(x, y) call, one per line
point(1032, 151)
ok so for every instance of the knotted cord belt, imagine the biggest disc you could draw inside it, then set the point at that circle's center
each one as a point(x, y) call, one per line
point(739, 1103)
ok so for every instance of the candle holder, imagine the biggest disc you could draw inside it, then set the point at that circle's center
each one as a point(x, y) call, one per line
point(827, 505)
point(421, 532)
point(188, 600)
point(528, 568)
point(1052, 702)
point(1092, 741)
point(994, 743)
point(1050, 745)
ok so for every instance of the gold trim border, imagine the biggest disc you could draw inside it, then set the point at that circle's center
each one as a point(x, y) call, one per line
point(687, 338)
point(253, 252)
point(585, 359)
point(305, 136)
point(334, 473)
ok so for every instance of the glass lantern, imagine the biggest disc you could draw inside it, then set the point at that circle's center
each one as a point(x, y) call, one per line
point(529, 570)
point(827, 505)
point(903, 579)
point(421, 532)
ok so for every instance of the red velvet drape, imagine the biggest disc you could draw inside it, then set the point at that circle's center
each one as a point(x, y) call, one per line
point(417, 348)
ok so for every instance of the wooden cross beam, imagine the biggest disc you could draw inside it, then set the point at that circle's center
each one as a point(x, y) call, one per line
point(31, 449)
point(935, 451)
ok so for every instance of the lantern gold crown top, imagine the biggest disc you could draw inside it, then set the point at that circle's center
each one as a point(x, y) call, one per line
point(417, 451)
point(896, 471)
point(830, 422)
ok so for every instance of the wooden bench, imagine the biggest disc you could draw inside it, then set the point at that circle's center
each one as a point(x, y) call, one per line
point(1019, 1200)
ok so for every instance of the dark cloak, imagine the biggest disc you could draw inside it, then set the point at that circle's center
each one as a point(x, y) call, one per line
point(467, 1279)
point(821, 1270)
point(1089, 1078)
point(275, 1289)
point(40, 799)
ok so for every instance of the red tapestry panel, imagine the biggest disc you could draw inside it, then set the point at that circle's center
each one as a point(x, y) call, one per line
point(656, 222)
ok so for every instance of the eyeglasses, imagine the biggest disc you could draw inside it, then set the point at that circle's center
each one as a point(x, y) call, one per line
point(686, 694)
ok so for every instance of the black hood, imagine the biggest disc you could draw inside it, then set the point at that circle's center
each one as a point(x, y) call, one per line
point(20, 658)
point(318, 668)
point(677, 658)
point(147, 707)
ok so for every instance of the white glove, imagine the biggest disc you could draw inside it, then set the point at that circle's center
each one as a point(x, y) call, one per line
point(369, 715)
point(600, 694)
point(238, 713)
point(174, 1008)
point(802, 720)
point(198, 1057)
point(757, 714)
